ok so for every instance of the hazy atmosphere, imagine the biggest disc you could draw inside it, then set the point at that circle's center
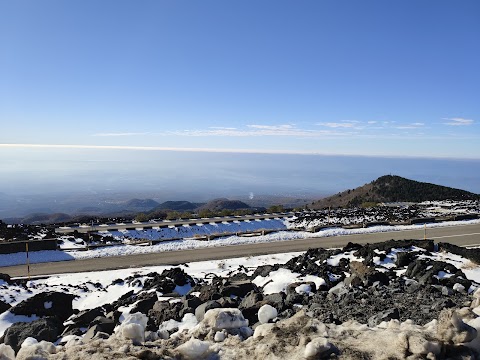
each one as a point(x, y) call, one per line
point(206, 99)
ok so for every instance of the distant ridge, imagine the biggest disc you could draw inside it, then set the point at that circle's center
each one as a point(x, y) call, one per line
point(40, 218)
point(392, 188)
point(141, 204)
point(180, 205)
point(224, 204)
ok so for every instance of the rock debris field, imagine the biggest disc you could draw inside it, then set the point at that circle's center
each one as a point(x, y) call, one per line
point(409, 299)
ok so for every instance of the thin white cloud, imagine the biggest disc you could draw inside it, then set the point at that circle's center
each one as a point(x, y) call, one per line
point(222, 128)
point(158, 148)
point(272, 127)
point(344, 124)
point(121, 134)
point(257, 130)
point(458, 121)
point(416, 125)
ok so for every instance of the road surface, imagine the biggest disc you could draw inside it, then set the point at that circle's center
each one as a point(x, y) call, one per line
point(462, 235)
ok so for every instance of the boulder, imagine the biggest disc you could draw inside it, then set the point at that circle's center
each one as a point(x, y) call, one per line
point(250, 305)
point(47, 329)
point(178, 276)
point(238, 288)
point(250, 300)
point(168, 280)
point(100, 325)
point(428, 272)
point(6, 278)
point(85, 317)
point(386, 315)
point(163, 311)
point(145, 302)
point(190, 301)
point(4, 306)
point(203, 308)
point(264, 270)
point(404, 258)
point(367, 274)
point(50, 303)
point(276, 300)
point(228, 302)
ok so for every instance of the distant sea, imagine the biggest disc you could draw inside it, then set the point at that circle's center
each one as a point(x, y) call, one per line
point(206, 175)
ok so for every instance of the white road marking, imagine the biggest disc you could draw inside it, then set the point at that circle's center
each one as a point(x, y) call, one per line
point(449, 236)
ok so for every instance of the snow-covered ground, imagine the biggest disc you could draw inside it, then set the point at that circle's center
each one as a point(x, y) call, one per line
point(93, 289)
point(90, 295)
point(388, 213)
point(224, 333)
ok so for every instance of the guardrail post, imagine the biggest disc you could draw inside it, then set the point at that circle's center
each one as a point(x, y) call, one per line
point(28, 261)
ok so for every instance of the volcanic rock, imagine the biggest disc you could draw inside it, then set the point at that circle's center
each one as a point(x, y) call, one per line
point(46, 304)
point(48, 329)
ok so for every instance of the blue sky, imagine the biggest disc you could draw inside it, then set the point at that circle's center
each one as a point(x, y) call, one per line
point(385, 78)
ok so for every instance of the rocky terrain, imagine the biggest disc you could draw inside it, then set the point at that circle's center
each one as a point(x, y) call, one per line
point(401, 213)
point(410, 299)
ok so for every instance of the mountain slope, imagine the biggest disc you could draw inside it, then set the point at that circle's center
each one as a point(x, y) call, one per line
point(224, 204)
point(392, 188)
point(181, 205)
point(141, 204)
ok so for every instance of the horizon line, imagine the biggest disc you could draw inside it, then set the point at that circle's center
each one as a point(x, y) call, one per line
point(223, 150)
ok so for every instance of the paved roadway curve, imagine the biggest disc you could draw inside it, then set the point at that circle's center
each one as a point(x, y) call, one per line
point(462, 235)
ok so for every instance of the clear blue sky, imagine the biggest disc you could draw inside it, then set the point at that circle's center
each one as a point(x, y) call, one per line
point(334, 77)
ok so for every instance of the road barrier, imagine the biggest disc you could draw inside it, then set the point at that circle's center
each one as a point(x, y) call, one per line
point(51, 244)
point(10, 247)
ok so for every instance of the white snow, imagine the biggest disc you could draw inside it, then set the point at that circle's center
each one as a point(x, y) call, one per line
point(303, 289)
point(6, 352)
point(266, 313)
point(316, 348)
point(219, 336)
point(315, 279)
point(32, 349)
point(90, 296)
point(224, 318)
point(335, 260)
point(188, 322)
point(193, 348)
point(133, 327)
point(277, 281)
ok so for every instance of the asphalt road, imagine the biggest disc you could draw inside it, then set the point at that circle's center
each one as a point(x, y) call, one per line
point(462, 235)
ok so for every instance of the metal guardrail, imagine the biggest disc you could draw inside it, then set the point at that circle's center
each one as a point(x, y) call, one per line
point(9, 247)
point(176, 223)
point(51, 243)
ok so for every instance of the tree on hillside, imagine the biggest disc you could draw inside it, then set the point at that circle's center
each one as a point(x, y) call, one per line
point(275, 209)
point(141, 217)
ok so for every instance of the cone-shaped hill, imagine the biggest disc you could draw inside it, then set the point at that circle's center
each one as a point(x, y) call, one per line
point(391, 188)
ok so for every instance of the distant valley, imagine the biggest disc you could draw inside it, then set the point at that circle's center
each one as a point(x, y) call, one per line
point(387, 188)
